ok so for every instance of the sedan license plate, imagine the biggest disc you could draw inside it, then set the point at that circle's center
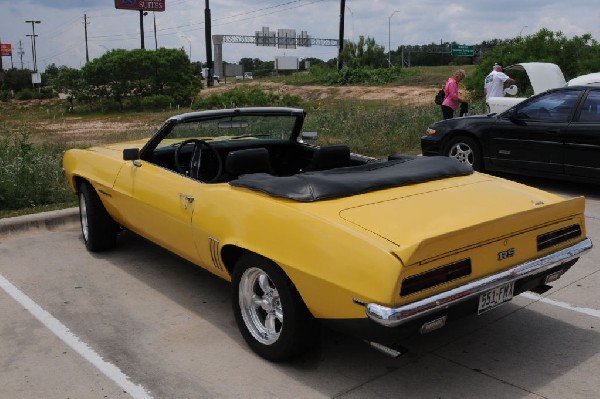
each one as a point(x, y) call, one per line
point(495, 297)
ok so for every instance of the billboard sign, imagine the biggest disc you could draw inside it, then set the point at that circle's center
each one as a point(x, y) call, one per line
point(6, 49)
point(142, 5)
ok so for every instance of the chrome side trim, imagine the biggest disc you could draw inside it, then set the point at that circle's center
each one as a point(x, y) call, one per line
point(392, 317)
point(213, 245)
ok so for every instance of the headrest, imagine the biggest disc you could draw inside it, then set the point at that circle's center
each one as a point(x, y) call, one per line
point(331, 156)
point(252, 160)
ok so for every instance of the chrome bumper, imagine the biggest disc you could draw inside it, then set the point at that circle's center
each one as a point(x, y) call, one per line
point(392, 317)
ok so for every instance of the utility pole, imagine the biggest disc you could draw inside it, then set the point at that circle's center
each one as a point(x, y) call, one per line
point(33, 36)
point(156, 41)
point(1, 67)
point(341, 35)
point(207, 39)
point(85, 24)
point(142, 28)
point(21, 52)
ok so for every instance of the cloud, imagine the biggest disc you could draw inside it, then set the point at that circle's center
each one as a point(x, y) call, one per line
point(61, 34)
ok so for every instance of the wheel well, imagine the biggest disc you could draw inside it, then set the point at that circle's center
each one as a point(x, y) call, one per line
point(77, 180)
point(230, 255)
point(460, 133)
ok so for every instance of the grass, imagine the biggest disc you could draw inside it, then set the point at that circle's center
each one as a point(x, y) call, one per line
point(33, 136)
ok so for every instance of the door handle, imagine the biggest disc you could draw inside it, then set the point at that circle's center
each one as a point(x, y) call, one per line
point(553, 131)
point(186, 197)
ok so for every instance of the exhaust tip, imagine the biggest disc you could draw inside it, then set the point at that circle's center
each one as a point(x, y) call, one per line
point(390, 350)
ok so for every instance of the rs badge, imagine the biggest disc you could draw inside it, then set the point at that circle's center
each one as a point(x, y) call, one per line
point(509, 253)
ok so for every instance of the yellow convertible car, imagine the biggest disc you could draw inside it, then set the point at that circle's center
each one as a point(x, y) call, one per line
point(307, 235)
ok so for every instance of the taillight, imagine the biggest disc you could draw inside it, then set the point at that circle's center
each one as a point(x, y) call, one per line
point(437, 276)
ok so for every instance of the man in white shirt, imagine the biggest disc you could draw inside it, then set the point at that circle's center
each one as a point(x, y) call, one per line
point(495, 82)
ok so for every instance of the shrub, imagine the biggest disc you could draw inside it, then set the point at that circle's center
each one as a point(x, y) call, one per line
point(156, 102)
point(246, 97)
point(30, 175)
point(25, 94)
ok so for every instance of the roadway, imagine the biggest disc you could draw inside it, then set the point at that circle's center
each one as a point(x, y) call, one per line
point(139, 322)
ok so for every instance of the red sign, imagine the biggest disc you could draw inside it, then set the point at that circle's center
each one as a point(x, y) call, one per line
point(6, 49)
point(144, 5)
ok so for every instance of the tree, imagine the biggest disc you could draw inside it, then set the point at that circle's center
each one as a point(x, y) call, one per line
point(577, 56)
point(62, 79)
point(364, 53)
point(120, 74)
point(17, 79)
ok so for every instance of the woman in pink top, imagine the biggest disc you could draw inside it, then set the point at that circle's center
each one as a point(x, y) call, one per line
point(451, 99)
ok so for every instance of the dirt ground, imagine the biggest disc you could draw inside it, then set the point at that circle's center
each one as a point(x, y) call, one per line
point(74, 130)
point(413, 95)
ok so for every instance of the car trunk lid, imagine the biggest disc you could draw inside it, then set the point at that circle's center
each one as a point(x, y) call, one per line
point(432, 221)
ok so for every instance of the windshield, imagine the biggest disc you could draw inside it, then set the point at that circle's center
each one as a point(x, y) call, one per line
point(233, 128)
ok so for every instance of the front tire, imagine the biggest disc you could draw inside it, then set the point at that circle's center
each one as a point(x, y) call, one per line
point(268, 310)
point(465, 150)
point(98, 228)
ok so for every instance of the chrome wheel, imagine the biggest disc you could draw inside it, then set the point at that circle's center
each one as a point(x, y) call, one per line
point(466, 150)
point(462, 152)
point(85, 227)
point(260, 306)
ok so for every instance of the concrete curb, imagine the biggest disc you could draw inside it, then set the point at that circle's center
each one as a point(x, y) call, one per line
point(44, 220)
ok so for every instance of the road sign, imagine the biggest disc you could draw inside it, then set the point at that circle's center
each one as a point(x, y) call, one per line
point(463, 50)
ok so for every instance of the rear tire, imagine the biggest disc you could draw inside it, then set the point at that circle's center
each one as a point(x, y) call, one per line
point(98, 228)
point(465, 150)
point(268, 310)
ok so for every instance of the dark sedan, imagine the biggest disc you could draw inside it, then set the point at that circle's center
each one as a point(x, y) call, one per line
point(553, 134)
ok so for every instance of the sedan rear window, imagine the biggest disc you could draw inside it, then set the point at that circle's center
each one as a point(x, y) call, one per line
point(590, 112)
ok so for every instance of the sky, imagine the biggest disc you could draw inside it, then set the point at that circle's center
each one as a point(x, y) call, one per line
point(61, 41)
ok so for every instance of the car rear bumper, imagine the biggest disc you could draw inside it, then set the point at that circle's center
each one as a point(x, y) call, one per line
point(394, 317)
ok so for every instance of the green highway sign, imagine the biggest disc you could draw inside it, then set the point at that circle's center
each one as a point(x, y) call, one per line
point(463, 50)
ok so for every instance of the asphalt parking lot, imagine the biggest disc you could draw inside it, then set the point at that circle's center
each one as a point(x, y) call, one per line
point(139, 322)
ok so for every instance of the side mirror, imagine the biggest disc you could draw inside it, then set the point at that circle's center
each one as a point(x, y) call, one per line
point(513, 116)
point(131, 154)
point(308, 136)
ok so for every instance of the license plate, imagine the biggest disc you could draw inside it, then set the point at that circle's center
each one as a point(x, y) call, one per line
point(495, 297)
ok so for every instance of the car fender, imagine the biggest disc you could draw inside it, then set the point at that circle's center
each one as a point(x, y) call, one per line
point(97, 167)
point(329, 261)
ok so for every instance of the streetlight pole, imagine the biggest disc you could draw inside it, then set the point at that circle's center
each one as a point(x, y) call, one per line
point(390, 38)
point(33, 36)
point(522, 30)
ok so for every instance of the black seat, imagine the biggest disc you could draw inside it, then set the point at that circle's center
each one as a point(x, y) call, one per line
point(329, 157)
point(251, 160)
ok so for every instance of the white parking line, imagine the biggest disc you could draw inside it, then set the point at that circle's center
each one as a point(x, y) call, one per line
point(564, 305)
point(62, 332)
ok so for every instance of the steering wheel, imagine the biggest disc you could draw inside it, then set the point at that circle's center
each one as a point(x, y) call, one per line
point(195, 165)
